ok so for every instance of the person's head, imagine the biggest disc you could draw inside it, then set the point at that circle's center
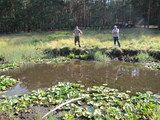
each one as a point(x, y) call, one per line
point(76, 27)
point(115, 27)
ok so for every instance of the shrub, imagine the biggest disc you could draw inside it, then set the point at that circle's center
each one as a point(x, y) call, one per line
point(99, 56)
point(143, 57)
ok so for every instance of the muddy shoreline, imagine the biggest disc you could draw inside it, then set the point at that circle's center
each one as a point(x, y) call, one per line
point(125, 55)
point(116, 54)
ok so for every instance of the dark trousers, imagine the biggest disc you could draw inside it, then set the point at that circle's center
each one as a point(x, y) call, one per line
point(77, 39)
point(116, 40)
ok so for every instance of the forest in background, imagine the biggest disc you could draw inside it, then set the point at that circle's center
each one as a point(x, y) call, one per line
point(45, 15)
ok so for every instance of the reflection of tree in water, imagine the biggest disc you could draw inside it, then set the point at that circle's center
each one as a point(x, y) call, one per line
point(121, 70)
point(100, 65)
point(76, 70)
point(116, 75)
point(135, 72)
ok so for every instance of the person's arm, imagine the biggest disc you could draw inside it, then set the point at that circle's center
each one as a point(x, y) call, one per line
point(113, 32)
point(80, 31)
point(118, 33)
point(117, 30)
point(74, 32)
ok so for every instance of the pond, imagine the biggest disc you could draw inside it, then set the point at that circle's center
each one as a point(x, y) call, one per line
point(120, 75)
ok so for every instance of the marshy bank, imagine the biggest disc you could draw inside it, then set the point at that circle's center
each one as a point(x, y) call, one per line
point(16, 49)
point(125, 55)
point(149, 59)
point(118, 68)
point(104, 54)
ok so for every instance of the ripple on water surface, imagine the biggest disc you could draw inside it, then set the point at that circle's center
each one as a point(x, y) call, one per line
point(123, 76)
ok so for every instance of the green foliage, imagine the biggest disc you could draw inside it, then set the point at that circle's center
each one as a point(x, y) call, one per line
point(51, 117)
point(90, 55)
point(38, 117)
point(4, 67)
point(6, 82)
point(21, 53)
point(68, 116)
point(72, 56)
point(153, 65)
point(156, 115)
point(59, 35)
point(99, 56)
point(49, 97)
point(100, 102)
point(86, 56)
point(61, 14)
point(144, 57)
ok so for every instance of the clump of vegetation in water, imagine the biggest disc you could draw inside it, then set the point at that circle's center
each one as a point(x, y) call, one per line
point(8, 66)
point(90, 55)
point(153, 66)
point(100, 102)
point(144, 57)
point(81, 56)
point(99, 56)
point(6, 82)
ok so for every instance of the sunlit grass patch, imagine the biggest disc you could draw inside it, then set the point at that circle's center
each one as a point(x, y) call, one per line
point(29, 46)
point(99, 56)
point(3, 43)
point(20, 53)
point(61, 43)
point(85, 43)
point(144, 57)
point(130, 39)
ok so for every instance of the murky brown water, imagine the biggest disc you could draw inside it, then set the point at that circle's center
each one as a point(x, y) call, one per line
point(123, 76)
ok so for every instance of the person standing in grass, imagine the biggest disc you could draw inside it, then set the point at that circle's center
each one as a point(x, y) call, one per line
point(115, 33)
point(77, 33)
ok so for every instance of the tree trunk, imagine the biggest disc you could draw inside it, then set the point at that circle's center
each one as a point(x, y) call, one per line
point(158, 16)
point(84, 13)
point(159, 21)
point(149, 11)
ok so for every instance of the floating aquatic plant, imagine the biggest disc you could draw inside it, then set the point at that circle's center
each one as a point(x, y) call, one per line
point(6, 82)
point(100, 102)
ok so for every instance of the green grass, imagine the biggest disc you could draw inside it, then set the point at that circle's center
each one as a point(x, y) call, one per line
point(99, 56)
point(51, 118)
point(136, 39)
point(144, 57)
point(29, 46)
point(20, 53)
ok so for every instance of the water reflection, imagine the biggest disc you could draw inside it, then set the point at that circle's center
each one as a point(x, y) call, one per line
point(135, 72)
point(123, 76)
